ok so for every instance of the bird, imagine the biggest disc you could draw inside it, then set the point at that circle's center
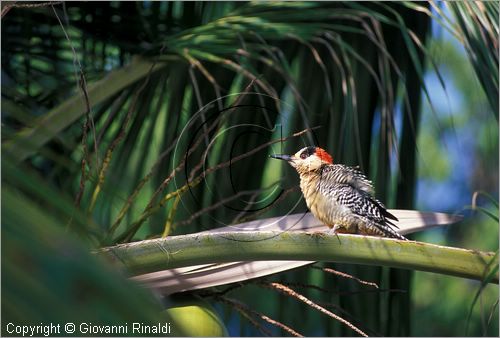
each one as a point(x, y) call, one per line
point(340, 196)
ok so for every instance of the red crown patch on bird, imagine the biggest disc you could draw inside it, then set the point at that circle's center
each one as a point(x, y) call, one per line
point(323, 155)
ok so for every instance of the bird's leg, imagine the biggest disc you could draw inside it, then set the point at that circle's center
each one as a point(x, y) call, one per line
point(334, 231)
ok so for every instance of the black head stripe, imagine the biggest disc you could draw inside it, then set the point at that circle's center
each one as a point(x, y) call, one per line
point(308, 151)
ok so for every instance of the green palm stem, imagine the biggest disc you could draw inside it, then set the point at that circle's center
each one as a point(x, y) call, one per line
point(204, 248)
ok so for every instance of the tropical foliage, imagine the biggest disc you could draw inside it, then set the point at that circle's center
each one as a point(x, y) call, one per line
point(123, 121)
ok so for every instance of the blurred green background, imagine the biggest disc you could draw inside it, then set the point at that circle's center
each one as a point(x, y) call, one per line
point(108, 108)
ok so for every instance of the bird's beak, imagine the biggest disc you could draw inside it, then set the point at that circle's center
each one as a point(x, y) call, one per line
point(287, 158)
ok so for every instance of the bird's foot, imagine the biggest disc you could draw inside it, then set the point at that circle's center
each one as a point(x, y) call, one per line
point(334, 231)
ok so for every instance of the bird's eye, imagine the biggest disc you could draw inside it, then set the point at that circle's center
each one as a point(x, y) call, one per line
point(303, 155)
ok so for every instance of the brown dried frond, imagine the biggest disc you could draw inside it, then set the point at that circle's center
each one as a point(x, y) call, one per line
point(240, 307)
point(346, 275)
point(292, 293)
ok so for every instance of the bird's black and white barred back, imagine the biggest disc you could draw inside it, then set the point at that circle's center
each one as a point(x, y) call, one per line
point(340, 173)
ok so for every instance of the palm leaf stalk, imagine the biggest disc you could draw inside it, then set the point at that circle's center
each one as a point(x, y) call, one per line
point(276, 240)
point(185, 250)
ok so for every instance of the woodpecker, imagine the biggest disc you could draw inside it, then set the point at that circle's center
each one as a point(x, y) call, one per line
point(340, 196)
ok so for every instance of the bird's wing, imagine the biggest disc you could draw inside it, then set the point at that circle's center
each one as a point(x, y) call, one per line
point(343, 174)
point(362, 204)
